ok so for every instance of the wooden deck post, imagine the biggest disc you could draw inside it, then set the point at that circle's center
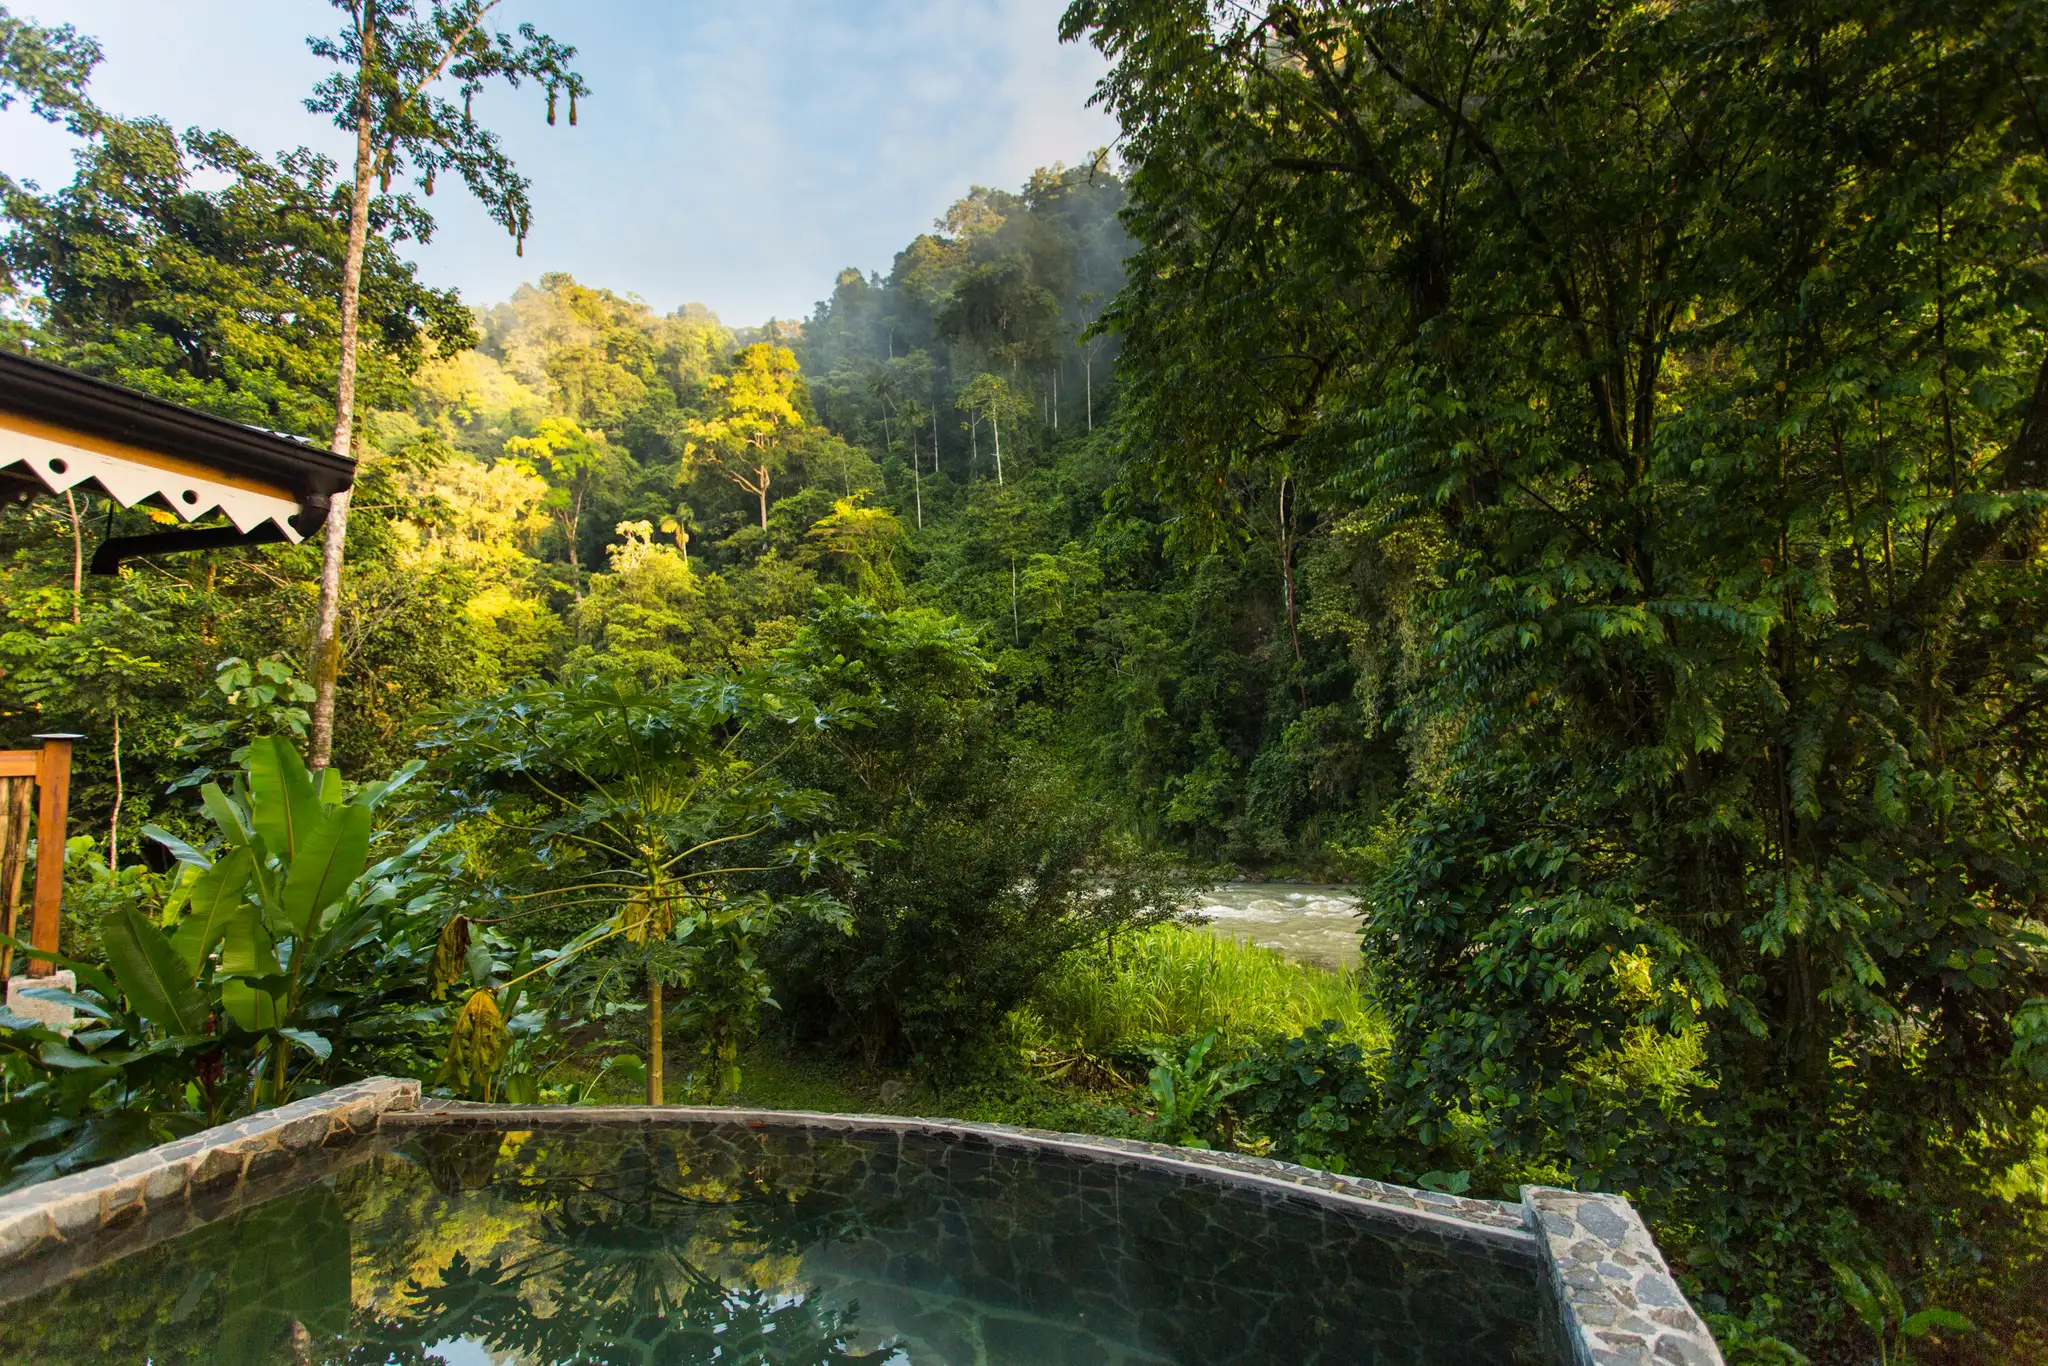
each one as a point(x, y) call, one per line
point(53, 778)
point(17, 813)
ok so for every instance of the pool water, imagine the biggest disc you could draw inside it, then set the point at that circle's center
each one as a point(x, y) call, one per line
point(785, 1247)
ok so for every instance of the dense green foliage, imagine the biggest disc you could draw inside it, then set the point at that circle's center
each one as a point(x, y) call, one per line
point(1579, 469)
point(1698, 350)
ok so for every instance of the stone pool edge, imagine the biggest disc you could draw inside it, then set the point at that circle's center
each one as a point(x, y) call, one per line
point(38, 1220)
point(1616, 1299)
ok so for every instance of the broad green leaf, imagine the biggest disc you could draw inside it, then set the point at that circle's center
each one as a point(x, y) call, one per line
point(214, 899)
point(1927, 1320)
point(86, 973)
point(247, 950)
point(249, 1005)
point(83, 1004)
point(180, 850)
point(311, 1042)
point(224, 814)
point(65, 1056)
point(153, 976)
point(282, 799)
point(329, 858)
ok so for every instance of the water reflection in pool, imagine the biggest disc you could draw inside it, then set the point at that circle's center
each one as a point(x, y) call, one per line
point(785, 1247)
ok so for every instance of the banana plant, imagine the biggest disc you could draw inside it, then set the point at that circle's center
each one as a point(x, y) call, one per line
point(283, 898)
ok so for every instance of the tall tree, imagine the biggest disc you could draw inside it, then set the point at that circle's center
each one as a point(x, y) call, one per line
point(990, 399)
point(1705, 342)
point(394, 60)
point(746, 439)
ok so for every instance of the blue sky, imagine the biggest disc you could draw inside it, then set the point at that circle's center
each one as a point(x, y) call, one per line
point(737, 154)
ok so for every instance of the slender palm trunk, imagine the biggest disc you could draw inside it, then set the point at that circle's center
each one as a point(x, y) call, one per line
point(1088, 378)
point(654, 1041)
point(996, 425)
point(327, 622)
point(917, 478)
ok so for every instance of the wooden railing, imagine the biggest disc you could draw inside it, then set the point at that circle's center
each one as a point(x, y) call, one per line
point(24, 774)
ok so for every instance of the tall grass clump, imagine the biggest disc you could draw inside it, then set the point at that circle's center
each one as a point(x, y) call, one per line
point(1178, 981)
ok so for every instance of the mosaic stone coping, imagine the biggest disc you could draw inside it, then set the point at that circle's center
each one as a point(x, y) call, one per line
point(1617, 1302)
point(80, 1219)
point(1620, 1305)
point(1485, 1222)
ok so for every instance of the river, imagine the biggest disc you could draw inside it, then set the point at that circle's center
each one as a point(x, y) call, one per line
point(1304, 920)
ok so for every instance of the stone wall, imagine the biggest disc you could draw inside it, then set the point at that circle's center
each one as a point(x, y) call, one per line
point(54, 1228)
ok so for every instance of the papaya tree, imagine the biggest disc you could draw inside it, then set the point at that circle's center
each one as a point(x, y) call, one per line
point(651, 820)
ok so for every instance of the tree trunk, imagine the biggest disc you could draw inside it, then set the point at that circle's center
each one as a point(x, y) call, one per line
point(114, 823)
point(917, 478)
point(1088, 378)
point(575, 533)
point(654, 1041)
point(77, 556)
point(935, 434)
point(996, 425)
point(327, 622)
point(762, 471)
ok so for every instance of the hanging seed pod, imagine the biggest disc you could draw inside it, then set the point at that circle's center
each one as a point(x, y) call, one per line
point(519, 247)
point(467, 96)
point(449, 949)
point(572, 108)
point(430, 182)
point(551, 106)
point(384, 181)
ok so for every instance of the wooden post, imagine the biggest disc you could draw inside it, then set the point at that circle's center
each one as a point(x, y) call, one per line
point(17, 809)
point(53, 777)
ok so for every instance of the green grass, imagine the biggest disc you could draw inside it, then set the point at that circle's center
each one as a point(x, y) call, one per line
point(1178, 982)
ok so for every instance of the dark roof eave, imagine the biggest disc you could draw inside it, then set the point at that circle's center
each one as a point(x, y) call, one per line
point(66, 398)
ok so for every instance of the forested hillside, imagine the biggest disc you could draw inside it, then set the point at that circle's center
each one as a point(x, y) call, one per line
point(544, 493)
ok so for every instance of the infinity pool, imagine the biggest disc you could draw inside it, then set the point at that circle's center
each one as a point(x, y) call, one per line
point(785, 1247)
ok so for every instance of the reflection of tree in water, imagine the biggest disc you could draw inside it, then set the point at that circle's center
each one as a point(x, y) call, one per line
point(614, 1271)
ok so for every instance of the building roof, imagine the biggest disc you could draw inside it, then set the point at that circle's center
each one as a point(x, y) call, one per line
point(60, 429)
